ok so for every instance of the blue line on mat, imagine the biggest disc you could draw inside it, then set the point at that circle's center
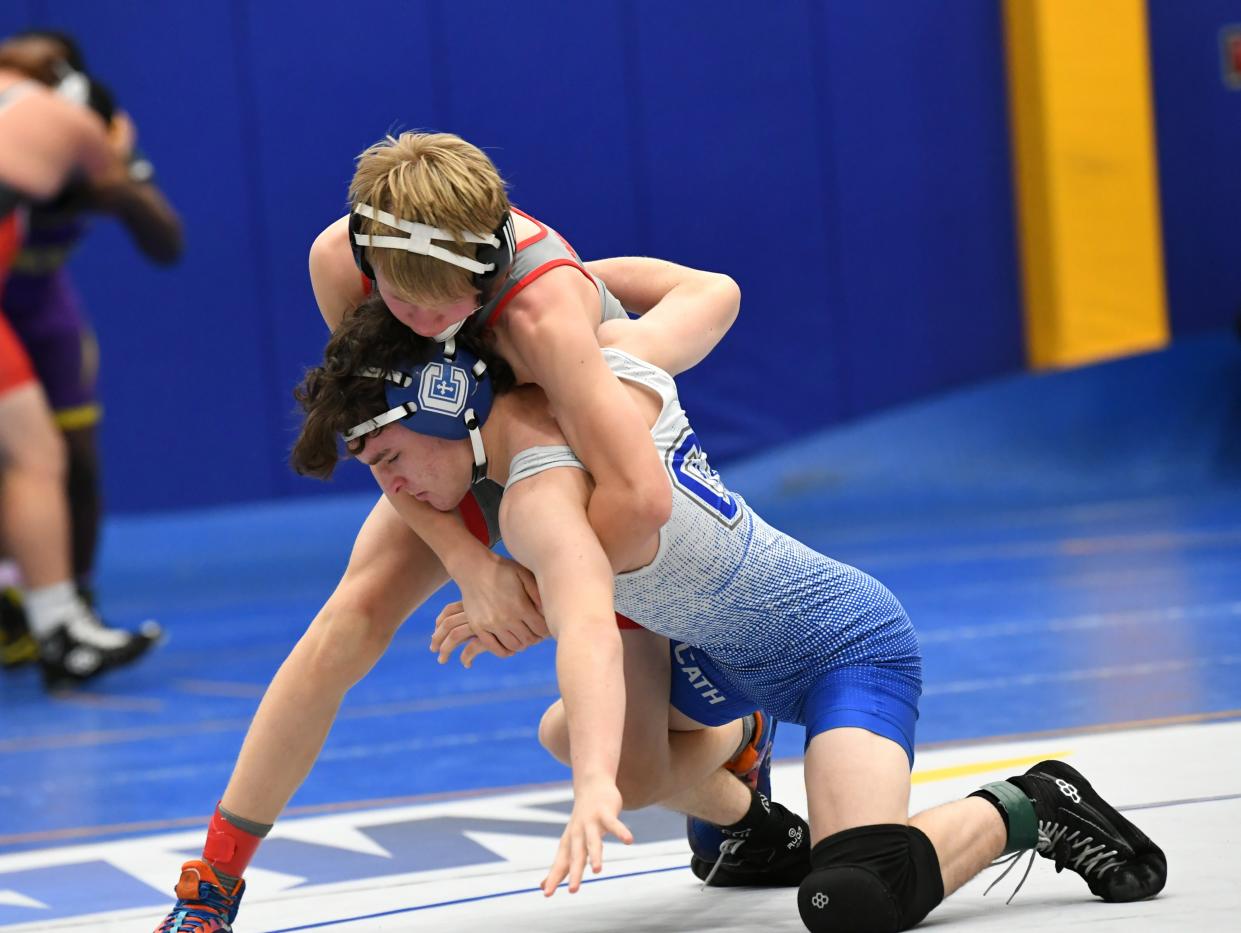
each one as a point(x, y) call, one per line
point(468, 900)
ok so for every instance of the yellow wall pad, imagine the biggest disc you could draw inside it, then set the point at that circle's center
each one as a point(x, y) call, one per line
point(1087, 186)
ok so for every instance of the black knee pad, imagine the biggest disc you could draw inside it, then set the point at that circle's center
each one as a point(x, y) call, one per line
point(872, 879)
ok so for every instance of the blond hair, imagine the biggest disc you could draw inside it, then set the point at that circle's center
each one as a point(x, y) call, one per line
point(430, 178)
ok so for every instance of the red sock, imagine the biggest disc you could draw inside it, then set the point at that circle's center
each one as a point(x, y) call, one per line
point(229, 848)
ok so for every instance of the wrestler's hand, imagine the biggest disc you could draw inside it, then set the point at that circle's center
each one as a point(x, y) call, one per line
point(472, 649)
point(452, 631)
point(499, 606)
point(596, 810)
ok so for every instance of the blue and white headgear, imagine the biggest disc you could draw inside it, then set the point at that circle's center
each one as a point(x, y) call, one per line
point(449, 397)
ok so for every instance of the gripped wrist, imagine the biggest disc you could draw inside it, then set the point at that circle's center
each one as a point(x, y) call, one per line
point(467, 559)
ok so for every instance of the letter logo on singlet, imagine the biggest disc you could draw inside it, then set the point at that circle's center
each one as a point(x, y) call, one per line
point(692, 474)
point(443, 388)
point(697, 679)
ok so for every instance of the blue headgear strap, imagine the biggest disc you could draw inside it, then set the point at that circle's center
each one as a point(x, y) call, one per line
point(448, 397)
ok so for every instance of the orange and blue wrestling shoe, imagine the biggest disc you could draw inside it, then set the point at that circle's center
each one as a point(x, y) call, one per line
point(203, 905)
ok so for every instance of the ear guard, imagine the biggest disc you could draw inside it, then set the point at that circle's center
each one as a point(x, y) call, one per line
point(490, 264)
point(448, 397)
point(71, 84)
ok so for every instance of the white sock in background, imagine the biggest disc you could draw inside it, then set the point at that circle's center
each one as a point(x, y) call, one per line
point(10, 576)
point(50, 607)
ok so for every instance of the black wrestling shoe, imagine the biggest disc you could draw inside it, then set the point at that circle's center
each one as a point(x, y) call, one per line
point(752, 767)
point(80, 651)
point(775, 855)
point(1079, 830)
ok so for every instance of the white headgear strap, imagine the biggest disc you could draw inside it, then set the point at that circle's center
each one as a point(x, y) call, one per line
point(392, 414)
point(451, 330)
point(71, 85)
point(476, 446)
point(420, 237)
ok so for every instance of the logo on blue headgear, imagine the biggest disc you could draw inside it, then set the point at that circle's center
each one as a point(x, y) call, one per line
point(448, 397)
point(444, 388)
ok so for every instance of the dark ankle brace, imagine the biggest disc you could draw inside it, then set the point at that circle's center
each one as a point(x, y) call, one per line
point(1017, 811)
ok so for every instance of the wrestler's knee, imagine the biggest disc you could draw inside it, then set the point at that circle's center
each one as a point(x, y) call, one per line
point(636, 791)
point(871, 879)
point(634, 773)
point(641, 775)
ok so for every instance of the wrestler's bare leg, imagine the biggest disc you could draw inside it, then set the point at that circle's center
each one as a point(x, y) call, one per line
point(390, 573)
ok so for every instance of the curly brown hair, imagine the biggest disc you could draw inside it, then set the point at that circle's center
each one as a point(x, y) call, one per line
point(336, 395)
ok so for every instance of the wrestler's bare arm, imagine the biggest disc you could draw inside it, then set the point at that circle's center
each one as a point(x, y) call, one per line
point(150, 219)
point(544, 523)
point(549, 338)
point(334, 276)
point(685, 312)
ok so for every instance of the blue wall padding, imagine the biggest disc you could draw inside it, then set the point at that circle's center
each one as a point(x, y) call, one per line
point(1198, 125)
point(847, 163)
point(17, 14)
point(733, 166)
point(1140, 428)
point(926, 232)
point(300, 171)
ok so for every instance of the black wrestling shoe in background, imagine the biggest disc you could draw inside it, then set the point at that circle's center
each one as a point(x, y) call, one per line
point(80, 651)
point(777, 854)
